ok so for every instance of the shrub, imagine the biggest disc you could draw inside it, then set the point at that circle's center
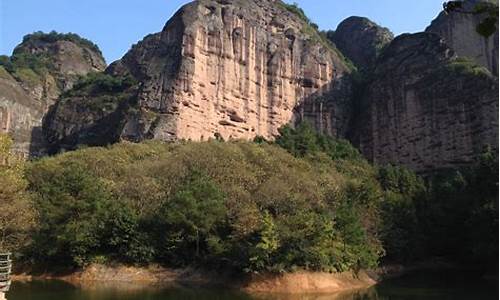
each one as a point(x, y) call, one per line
point(304, 140)
point(191, 220)
point(17, 215)
point(96, 83)
point(54, 36)
point(233, 205)
point(72, 206)
point(295, 9)
point(312, 30)
point(467, 67)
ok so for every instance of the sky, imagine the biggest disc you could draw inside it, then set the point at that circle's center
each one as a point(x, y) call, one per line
point(114, 25)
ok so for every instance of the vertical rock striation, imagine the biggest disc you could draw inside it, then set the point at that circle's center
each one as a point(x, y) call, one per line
point(425, 109)
point(238, 69)
point(19, 115)
point(459, 31)
point(229, 68)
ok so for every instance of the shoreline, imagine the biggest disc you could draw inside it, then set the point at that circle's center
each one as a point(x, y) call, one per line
point(126, 277)
point(301, 282)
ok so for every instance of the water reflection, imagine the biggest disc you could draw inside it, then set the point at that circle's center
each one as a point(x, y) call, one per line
point(433, 286)
point(367, 294)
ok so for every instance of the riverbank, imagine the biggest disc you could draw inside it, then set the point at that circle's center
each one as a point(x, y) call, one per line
point(126, 277)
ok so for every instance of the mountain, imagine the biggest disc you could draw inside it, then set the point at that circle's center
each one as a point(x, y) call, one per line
point(231, 69)
point(234, 69)
point(361, 40)
point(41, 68)
point(425, 108)
point(459, 30)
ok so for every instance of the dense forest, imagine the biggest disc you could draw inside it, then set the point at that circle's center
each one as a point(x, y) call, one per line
point(305, 201)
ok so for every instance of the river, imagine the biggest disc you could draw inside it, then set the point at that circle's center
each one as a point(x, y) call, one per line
point(416, 286)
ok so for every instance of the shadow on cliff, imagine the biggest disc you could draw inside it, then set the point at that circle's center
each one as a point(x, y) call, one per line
point(332, 112)
point(102, 132)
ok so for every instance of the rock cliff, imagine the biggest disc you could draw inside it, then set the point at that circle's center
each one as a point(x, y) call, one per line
point(237, 69)
point(426, 109)
point(228, 68)
point(459, 31)
point(19, 115)
point(32, 79)
point(361, 40)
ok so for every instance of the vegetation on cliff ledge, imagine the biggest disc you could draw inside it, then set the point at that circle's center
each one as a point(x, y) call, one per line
point(33, 68)
point(54, 36)
point(312, 30)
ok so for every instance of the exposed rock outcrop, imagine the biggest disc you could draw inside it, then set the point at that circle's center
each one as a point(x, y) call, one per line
point(19, 116)
point(229, 68)
point(361, 40)
point(238, 69)
point(459, 31)
point(40, 69)
point(425, 109)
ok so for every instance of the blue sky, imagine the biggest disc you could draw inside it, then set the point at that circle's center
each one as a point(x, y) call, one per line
point(117, 24)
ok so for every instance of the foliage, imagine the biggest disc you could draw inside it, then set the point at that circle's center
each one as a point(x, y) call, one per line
point(191, 219)
point(467, 67)
point(31, 67)
point(26, 67)
point(489, 25)
point(96, 83)
point(3, 73)
point(403, 189)
point(102, 92)
point(54, 36)
point(304, 140)
point(17, 216)
point(312, 30)
point(460, 216)
point(454, 215)
point(234, 205)
point(296, 10)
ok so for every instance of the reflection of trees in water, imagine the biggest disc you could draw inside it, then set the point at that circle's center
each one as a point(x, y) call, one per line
point(366, 294)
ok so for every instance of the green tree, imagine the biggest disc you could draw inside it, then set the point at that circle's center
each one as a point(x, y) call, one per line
point(267, 243)
point(489, 25)
point(124, 237)
point(191, 218)
point(17, 215)
point(72, 204)
point(304, 140)
point(403, 190)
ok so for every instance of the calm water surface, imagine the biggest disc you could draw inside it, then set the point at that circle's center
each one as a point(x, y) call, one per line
point(434, 286)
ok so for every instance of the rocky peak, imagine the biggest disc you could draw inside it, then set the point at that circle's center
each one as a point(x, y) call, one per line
point(66, 56)
point(361, 40)
point(32, 79)
point(413, 54)
point(425, 108)
point(229, 68)
point(459, 30)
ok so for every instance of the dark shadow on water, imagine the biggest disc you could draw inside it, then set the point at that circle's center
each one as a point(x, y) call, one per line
point(416, 286)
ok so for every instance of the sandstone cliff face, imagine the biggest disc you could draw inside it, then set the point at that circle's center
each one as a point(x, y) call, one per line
point(27, 93)
point(459, 31)
point(425, 109)
point(238, 69)
point(18, 115)
point(229, 68)
point(331, 113)
point(361, 40)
